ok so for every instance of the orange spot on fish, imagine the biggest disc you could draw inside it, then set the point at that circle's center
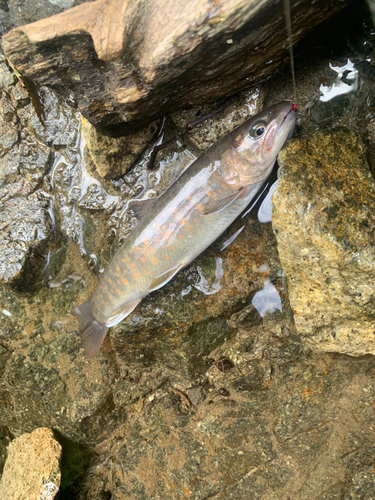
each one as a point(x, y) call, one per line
point(157, 239)
point(182, 222)
point(154, 261)
point(190, 228)
point(135, 275)
point(118, 291)
point(199, 207)
point(107, 303)
point(171, 224)
point(134, 265)
point(219, 190)
point(110, 298)
point(167, 235)
point(207, 193)
point(213, 175)
point(137, 248)
point(109, 280)
point(142, 260)
point(117, 269)
point(122, 260)
point(152, 249)
point(169, 247)
point(186, 207)
point(145, 272)
point(188, 197)
point(196, 221)
point(118, 281)
point(165, 256)
point(180, 236)
point(125, 281)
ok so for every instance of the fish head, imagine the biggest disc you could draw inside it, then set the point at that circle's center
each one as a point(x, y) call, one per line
point(256, 144)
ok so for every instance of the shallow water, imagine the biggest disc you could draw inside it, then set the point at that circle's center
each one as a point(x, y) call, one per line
point(278, 391)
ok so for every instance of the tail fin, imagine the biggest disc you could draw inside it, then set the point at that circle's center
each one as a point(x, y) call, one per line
point(92, 332)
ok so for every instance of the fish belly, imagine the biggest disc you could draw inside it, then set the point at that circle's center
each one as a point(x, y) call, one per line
point(171, 235)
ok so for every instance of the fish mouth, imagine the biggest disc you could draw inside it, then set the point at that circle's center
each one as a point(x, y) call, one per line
point(289, 116)
point(293, 109)
point(280, 129)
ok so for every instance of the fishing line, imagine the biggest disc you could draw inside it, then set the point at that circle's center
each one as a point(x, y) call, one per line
point(288, 23)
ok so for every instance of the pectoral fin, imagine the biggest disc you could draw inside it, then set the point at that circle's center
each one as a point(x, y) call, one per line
point(122, 312)
point(161, 280)
point(215, 206)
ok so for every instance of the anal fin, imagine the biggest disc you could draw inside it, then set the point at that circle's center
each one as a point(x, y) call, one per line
point(122, 312)
point(161, 280)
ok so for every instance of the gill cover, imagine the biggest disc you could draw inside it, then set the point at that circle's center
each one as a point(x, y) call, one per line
point(262, 137)
point(256, 144)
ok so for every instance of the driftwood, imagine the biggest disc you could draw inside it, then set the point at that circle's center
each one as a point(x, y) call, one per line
point(127, 62)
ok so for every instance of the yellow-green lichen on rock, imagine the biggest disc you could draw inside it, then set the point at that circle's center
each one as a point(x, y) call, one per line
point(32, 469)
point(324, 220)
point(113, 157)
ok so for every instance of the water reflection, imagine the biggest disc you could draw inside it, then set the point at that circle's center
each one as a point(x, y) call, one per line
point(185, 291)
point(204, 286)
point(267, 300)
point(346, 81)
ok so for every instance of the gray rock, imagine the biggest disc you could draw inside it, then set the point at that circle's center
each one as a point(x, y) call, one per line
point(26, 235)
point(30, 242)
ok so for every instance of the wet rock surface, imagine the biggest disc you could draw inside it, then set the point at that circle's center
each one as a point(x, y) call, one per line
point(30, 242)
point(157, 58)
point(290, 425)
point(326, 242)
point(196, 395)
point(32, 469)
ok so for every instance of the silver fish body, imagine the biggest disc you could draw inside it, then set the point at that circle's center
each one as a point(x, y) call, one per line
point(186, 219)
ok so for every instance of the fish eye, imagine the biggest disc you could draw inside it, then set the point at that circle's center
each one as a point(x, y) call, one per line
point(259, 129)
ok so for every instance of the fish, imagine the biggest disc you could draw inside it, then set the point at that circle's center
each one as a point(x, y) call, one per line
point(180, 224)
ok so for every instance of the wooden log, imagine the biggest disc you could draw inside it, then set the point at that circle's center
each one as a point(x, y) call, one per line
point(128, 62)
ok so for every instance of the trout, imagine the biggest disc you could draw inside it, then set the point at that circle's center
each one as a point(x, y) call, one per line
point(190, 215)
